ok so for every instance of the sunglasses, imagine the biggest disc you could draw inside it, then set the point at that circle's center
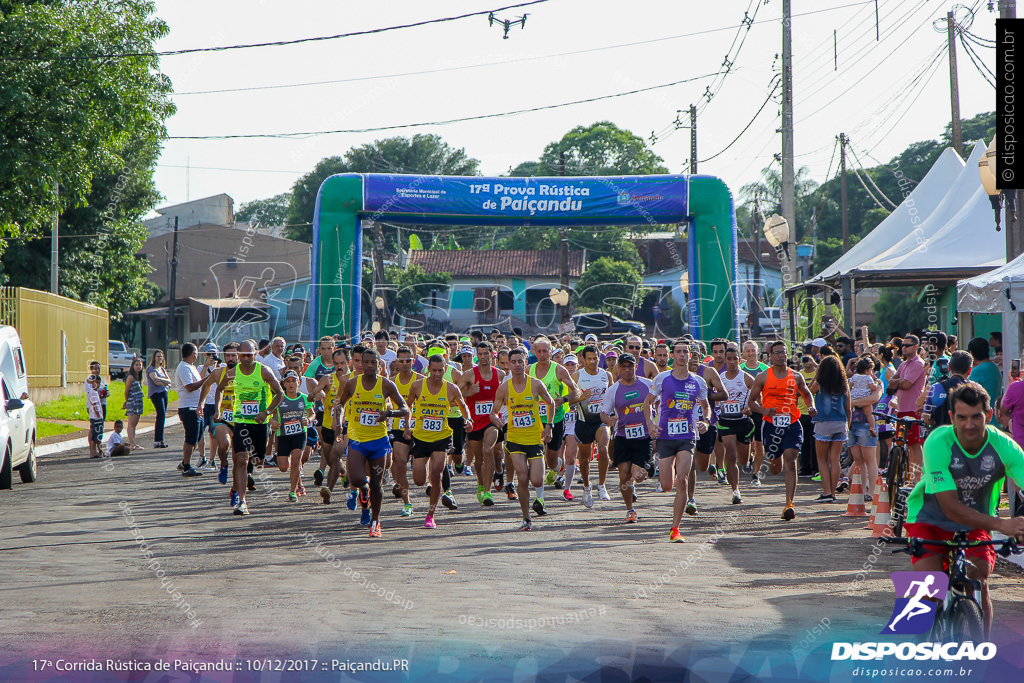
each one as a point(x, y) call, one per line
point(633, 347)
point(907, 346)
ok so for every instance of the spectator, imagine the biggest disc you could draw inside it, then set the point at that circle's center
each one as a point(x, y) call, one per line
point(95, 410)
point(1011, 412)
point(995, 340)
point(808, 458)
point(115, 444)
point(844, 349)
point(907, 384)
point(831, 423)
point(936, 412)
point(985, 372)
point(950, 344)
point(935, 345)
point(159, 381)
point(275, 358)
point(133, 401)
point(188, 381)
point(103, 390)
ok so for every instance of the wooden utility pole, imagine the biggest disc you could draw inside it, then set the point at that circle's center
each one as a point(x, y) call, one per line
point(954, 89)
point(55, 245)
point(563, 253)
point(755, 305)
point(174, 285)
point(846, 282)
point(378, 276)
point(788, 176)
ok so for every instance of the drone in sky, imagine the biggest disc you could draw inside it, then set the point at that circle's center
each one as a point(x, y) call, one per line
point(506, 23)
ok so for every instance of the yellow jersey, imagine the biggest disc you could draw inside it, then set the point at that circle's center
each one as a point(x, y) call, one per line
point(430, 415)
point(524, 425)
point(364, 412)
point(333, 389)
point(398, 423)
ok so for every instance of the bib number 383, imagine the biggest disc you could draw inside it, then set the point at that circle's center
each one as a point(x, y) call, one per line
point(432, 424)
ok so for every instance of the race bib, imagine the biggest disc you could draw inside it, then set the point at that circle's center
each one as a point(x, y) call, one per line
point(369, 418)
point(543, 409)
point(484, 408)
point(432, 424)
point(524, 421)
point(250, 408)
point(636, 431)
point(679, 427)
point(226, 416)
point(594, 407)
point(781, 420)
point(699, 413)
point(731, 409)
point(399, 423)
point(292, 427)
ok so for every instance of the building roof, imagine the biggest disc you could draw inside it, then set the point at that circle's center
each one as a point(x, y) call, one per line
point(496, 263)
point(660, 251)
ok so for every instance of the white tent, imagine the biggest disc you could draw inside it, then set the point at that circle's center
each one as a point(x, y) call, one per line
point(991, 291)
point(918, 206)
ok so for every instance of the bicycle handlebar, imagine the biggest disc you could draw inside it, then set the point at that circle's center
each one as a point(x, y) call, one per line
point(915, 546)
point(908, 421)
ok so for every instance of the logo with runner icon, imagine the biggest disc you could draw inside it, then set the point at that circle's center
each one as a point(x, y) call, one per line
point(921, 592)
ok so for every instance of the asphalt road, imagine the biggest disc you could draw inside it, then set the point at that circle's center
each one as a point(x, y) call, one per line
point(304, 580)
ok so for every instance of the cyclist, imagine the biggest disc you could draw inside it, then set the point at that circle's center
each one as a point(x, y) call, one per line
point(964, 467)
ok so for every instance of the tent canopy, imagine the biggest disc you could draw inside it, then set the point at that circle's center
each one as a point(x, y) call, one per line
point(988, 292)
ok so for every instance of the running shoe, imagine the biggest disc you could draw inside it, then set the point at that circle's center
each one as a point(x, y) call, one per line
point(499, 482)
point(375, 530)
point(242, 508)
point(211, 466)
point(749, 467)
point(181, 466)
point(480, 495)
point(318, 477)
point(407, 510)
point(234, 498)
point(549, 478)
point(602, 493)
point(539, 507)
point(755, 482)
point(458, 468)
point(511, 491)
point(736, 498)
point(658, 488)
point(352, 496)
point(270, 462)
point(816, 477)
point(722, 478)
point(325, 493)
point(469, 471)
point(567, 494)
point(843, 486)
point(588, 497)
point(429, 522)
point(691, 507)
point(631, 517)
point(712, 471)
point(365, 517)
point(202, 463)
point(676, 537)
point(396, 490)
point(344, 481)
point(451, 470)
point(222, 476)
point(789, 513)
point(526, 525)
point(426, 492)
point(448, 500)
point(292, 497)
point(250, 483)
point(867, 497)
point(559, 482)
point(301, 490)
point(191, 472)
point(635, 496)
point(804, 474)
point(364, 498)
point(824, 498)
point(488, 501)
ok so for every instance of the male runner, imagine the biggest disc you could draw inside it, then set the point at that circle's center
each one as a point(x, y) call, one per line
point(479, 386)
point(365, 398)
point(754, 367)
point(590, 428)
point(661, 356)
point(678, 394)
point(322, 365)
point(403, 380)
point(554, 377)
point(717, 348)
point(432, 399)
point(627, 410)
point(706, 440)
point(522, 396)
point(774, 394)
point(332, 443)
point(735, 428)
point(223, 420)
point(645, 368)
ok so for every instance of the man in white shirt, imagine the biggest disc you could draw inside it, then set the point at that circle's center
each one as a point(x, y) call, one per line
point(381, 340)
point(275, 359)
point(188, 382)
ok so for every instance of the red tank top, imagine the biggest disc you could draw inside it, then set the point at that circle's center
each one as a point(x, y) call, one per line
point(780, 394)
point(480, 403)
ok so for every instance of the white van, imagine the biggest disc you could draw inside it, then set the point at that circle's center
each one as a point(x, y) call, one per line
point(17, 412)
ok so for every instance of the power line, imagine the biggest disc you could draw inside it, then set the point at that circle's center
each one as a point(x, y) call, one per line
point(215, 168)
point(436, 123)
point(746, 127)
point(861, 166)
point(278, 43)
point(979, 64)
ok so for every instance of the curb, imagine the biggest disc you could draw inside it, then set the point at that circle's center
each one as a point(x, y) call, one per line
point(83, 442)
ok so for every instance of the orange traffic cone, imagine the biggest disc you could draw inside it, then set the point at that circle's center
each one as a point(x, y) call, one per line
point(855, 506)
point(880, 520)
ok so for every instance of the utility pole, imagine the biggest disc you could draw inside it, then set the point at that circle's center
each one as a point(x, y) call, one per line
point(755, 231)
point(563, 252)
point(846, 283)
point(788, 178)
point(174, 283)
point(378, 276)
point(954, 89)
point(55, 244)
point(693, 140)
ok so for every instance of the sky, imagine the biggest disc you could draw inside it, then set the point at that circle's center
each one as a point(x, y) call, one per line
point(884, 94)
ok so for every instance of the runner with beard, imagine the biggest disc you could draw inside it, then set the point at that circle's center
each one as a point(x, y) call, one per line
point(479, 386)
point(223, 421)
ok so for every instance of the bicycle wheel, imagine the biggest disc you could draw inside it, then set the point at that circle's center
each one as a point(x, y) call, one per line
point(894, 476)
point(965, 621)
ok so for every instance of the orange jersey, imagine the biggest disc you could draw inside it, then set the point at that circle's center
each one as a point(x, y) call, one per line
point(780, 394)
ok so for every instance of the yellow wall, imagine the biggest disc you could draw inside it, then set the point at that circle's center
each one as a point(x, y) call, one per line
point(40, 317)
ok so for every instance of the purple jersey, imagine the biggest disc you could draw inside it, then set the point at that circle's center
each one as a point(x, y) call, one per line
point(677, 414)
point(626, 402)
point(713, 420)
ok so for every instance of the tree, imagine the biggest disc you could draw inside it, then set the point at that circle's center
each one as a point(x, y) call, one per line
point(421, 154)
point(267, 212)
point(769, 189)
point(899, 309)
point(69, 116)
point(601, 148)
point(412, 285)
point(610, 286)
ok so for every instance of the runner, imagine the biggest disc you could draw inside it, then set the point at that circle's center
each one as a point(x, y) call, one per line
point(211, 366)
point(753, 367)
point(590, 429)
point(735, 428)
point(626, 409)
point(293, 415)
point(554, 377)
point(403, 379)
point(705, 440)
point(306, 387)
point(645, 368)
point(332, 445)
point(523, 395)
point(432, 399)
point(774, 394)
point(570, 445)
point(321, 366)
point(661, 357)
point(250, 381)
point(221, 386)
point(717, 347)
point(365, 398)
point(678, 394)
point(479, 386)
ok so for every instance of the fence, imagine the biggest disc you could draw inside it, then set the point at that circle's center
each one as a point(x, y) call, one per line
point(59, 336)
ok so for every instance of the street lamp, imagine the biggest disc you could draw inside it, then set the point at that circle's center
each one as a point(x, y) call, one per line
point(776, 231)
point(988, 169)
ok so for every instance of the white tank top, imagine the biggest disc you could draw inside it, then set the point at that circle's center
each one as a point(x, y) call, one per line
point(738, 392)
point(591, 408)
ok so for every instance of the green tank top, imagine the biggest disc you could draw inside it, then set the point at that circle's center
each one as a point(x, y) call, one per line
point(555, 387)
point(453, 411)
point(250, 398)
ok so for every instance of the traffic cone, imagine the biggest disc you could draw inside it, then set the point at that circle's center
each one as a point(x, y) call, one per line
point(880, 520)
point(855, 506)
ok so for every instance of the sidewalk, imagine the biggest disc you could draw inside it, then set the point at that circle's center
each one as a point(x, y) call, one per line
point(67, 442)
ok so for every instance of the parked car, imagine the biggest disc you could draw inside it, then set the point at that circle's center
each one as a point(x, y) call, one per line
point(770, 320)
point(603, 323)
point(17, 413)
point(119, 362)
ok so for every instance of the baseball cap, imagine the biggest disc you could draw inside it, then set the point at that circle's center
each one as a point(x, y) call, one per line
point(291, 374)
point(819, 342)
point(627, 358)
point(590, 337)
point(210, 347)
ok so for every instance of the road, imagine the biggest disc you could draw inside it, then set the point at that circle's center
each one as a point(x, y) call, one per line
point(474, 595)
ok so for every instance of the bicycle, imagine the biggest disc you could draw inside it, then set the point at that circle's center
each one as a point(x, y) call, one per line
point(897, 475)
point(959, 617)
